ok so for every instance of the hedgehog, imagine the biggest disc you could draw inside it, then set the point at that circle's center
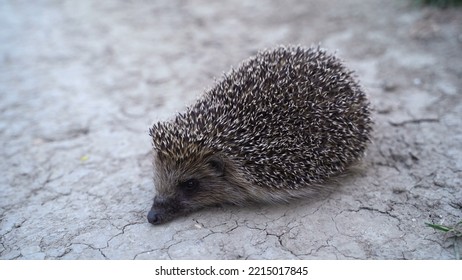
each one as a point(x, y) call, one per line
point(275, 129)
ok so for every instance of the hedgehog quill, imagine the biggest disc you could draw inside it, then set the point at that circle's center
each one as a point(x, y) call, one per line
point(273, 130)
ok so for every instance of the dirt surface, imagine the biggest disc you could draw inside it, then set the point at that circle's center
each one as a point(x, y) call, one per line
point(82, 81)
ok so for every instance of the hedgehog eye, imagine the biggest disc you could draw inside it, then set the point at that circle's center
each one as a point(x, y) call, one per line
point(189, 185)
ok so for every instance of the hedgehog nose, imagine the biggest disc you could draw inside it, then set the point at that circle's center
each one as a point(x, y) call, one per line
point(154, 217)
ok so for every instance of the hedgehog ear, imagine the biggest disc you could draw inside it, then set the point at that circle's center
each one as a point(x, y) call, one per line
point(217, 164)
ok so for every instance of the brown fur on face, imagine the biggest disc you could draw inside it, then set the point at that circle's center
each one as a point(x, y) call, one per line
point(193, 183)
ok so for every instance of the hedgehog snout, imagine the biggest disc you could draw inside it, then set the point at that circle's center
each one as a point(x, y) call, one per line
point(162, 210)
point(154, 217)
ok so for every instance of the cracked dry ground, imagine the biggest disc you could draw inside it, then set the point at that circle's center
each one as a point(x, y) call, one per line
point(82, 81)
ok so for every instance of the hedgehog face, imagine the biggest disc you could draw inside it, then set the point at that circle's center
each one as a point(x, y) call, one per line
point(188, 185)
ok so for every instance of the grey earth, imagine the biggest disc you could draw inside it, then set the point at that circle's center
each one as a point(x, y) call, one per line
point(81, 82)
